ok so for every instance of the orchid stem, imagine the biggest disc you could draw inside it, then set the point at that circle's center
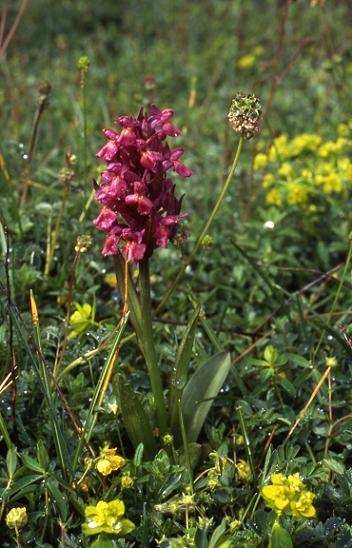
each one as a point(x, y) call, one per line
point(148, 345)
point(209, 222)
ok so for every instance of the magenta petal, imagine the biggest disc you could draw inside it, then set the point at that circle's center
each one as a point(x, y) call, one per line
point(110, 133)
point(105, 219)
point(150, 159)
point(108, 151)
point(170, 130)
point(143, 204)
point(182, 169)
point(176, 154)
point(111, 245)
point(135, 251)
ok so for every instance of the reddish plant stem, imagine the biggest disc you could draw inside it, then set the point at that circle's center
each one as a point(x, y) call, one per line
point(13, 29)
point(277, 58)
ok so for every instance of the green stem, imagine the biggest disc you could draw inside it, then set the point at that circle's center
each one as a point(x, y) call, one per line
point(246, 440)
point(148, 345)
point(185, 444)
point(205, 230)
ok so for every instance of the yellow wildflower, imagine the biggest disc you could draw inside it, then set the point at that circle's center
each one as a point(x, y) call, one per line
point(306, 174)
point(268, 180)
point(110, 279)
point(296, 194)
point(343, 130)
point(285, 170)
point(306, 142)
point(274, 197)
point(107, 517)
point(288, 495)
point(345, 167)
point(331, 362)
point(126, 481)
point(258, 50)
point(279, 149)
point(329, 148)
point(17, 518)
point(81, 319)
point(330, 182)
point(243, 470)
point(246, 62)
point(108, 461)
point(260, 161)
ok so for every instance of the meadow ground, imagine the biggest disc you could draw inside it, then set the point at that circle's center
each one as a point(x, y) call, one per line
point(191, 385)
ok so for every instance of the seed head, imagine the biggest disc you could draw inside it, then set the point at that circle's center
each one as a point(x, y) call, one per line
point(83, 243)
point(244, 115)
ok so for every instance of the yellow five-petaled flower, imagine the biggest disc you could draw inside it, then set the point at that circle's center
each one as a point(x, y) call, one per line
point(108, 461)
point(107, 517)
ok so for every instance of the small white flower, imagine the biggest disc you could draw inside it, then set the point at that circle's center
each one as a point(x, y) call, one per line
point(92, 524)
point(270, 225)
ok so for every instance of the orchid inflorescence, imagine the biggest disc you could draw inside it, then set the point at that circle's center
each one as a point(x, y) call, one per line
point(140, 210)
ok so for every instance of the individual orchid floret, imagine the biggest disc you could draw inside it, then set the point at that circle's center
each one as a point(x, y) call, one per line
point(141, 211)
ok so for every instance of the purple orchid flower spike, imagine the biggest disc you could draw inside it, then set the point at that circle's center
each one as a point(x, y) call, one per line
point(141, 211)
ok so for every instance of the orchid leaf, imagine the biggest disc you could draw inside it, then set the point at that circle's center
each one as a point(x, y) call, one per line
point(183, 357)
point(135, 419)
point(200, 391)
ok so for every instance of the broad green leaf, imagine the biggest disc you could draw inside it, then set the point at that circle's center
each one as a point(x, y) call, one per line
point(217, 537)
point(298, 360)
point(5, 433)
point(23, 482)
point(179, 377)
point(136, 421)
point(137, 459)
point(42, 455)
point(279, 537)
point(200, 539)
point(103, 541)
point(287, 385)
point(59, 499)
point(334, 465)
point(32, 464)
point(200, 391)
point(11, 461)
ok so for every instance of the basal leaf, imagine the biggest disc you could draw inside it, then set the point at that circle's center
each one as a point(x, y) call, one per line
point(200, 391)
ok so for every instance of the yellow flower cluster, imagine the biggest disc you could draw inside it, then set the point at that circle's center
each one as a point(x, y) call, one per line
point(108, 461)
point(243, 470)
point(17, 518)
point(81, 319)
point(306, 170)
point(288, 495)
point(249, 60)
point(107, 517)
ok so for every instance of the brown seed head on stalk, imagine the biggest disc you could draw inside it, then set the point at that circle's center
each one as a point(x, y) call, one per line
point(44, 90)
point(245, 114)
point(83, 243)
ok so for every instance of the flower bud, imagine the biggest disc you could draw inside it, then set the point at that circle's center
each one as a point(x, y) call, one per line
point(126, 482)
point(83, 63)
point(168, 439)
